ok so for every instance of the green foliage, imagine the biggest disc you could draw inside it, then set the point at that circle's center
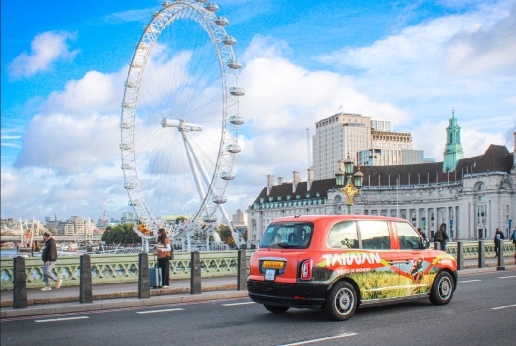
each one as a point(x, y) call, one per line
point(123, 234)
point(225, 234)
point(181, 219)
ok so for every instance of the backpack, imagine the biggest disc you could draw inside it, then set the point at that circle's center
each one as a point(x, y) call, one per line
point(439, 236)
point(171, 253)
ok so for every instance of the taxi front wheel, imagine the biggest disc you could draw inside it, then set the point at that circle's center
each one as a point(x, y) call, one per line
point(276, 309)
point(341, 302)
point(442, 290)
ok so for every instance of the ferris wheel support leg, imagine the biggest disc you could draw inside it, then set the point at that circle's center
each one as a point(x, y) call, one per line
point(188, 244)
point(195, 172)
point(145, 243)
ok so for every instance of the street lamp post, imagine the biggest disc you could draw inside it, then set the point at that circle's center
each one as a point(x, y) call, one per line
point(353, 184)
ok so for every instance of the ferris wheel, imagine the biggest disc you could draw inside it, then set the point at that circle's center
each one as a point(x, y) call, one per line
point(180, 121)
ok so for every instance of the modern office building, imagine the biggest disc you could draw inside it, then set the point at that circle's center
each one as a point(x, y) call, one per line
point(336, 138)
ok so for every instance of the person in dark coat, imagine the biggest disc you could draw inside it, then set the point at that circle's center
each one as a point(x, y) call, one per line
point(442, 237)
point(49, 257)
point(497, 237)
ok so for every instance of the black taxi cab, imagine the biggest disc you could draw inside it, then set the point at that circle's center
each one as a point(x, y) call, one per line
point(341, 262)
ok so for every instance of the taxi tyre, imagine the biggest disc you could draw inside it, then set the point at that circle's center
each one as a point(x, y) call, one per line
point(276, 309)
point(341, 302)
point(442, 289)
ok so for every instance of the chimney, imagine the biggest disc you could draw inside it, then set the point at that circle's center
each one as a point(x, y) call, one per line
point(270, 183)
point(280, 180)
point(310, 178)
point(295, 181)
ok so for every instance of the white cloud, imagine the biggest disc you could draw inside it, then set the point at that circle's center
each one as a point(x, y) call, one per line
point(46, 48)
point(485, 50)
point(95, 92)
point(70, 144)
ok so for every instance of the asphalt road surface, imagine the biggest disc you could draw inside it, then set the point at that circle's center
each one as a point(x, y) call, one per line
point(482, 312)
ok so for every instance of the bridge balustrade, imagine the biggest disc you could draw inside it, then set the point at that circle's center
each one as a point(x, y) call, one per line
point(121, 268)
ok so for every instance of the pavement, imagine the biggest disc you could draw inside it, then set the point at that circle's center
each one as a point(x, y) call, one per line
point(125, 295)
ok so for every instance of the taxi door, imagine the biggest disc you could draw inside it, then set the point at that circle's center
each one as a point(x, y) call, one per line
point(412, 262)
point(381, 269)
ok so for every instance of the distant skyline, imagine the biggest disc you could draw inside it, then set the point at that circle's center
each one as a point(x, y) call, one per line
point(410, 62)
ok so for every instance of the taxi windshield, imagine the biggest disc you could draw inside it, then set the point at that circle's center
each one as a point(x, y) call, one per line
point(287, 235)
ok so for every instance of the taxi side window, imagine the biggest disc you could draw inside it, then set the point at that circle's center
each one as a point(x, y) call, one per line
point(343, 235)
point(408, 237)
point(375, 235)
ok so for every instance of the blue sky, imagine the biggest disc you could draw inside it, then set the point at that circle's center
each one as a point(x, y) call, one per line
point(64, 64)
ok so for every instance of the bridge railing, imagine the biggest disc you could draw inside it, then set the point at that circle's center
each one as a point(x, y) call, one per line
point(471, 249)
point(124, 268)
point(120, 268)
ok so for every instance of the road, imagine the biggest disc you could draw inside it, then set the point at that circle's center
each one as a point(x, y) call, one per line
point(482, 312)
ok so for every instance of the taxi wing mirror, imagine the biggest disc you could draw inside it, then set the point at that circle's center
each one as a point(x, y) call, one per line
point(426, 244)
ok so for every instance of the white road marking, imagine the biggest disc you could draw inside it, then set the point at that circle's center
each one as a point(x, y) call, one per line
point(507, 277)
point(469, 281)
point(503, 307)
point(320, 339)
point(154, 311)
point(62, 319)
point(233, 304)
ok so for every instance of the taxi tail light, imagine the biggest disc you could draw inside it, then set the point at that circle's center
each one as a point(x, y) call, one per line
point(306, 269)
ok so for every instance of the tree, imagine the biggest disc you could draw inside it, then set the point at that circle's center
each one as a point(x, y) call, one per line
point(180, 219)
point(225, 234)
point(123, 233)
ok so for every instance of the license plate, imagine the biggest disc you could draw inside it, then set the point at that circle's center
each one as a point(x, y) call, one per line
point(270, 274)
point(273, 264)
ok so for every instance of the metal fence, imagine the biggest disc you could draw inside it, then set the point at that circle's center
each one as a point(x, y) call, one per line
point(120, 268)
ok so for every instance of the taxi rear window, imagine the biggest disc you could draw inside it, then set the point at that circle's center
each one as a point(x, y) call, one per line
point(287, 235)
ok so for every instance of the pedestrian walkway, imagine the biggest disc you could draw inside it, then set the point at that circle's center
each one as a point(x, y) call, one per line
point(113, 296)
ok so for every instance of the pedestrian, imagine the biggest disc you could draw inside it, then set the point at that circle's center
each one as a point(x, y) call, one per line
point(513, 237)
point(497, 237)
point(422, 233)
point(163, 250)
point(442, 237)
point(49, 257)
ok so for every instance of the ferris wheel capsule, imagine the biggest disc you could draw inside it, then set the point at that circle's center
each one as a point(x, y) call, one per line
point(229, 40)
point(237, 91)
point(236, 119)
point(211, 6)
point(221, 21)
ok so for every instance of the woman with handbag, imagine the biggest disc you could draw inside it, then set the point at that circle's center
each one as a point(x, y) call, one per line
point(163, 250)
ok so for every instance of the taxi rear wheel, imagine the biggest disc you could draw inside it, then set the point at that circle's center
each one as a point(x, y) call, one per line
point(276, 309)
point(341, 302)
point(442, 290)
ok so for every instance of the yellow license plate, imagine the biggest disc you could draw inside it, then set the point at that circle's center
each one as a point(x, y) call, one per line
point(273, 264)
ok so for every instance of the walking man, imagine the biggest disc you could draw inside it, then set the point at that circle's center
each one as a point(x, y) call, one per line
point(49, 257)
point(498, 236)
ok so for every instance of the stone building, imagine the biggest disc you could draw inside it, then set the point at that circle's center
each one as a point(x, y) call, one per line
point(472, 196)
